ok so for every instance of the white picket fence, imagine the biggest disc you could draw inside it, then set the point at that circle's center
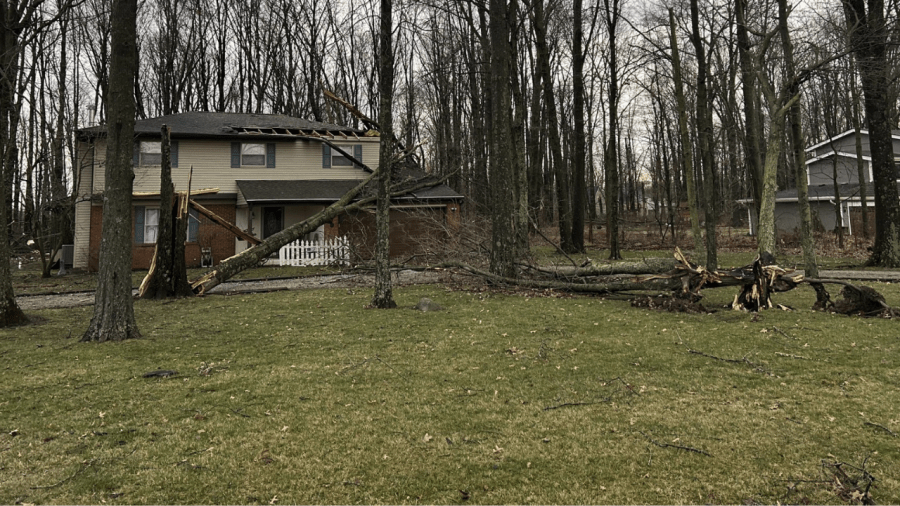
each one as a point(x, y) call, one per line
point(303, 252)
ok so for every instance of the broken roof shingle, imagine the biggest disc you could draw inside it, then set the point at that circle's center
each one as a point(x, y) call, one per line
point(227, 124)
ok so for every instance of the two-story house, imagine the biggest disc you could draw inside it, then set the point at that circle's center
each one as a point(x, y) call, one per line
point(259, 172)
point(832, 168)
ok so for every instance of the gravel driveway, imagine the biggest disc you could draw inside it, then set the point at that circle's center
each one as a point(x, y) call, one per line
point(404, 277)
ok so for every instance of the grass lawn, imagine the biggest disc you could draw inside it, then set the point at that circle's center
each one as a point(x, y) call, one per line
point(308, 397)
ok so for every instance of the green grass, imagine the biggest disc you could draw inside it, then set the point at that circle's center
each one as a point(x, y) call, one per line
point(307, 397)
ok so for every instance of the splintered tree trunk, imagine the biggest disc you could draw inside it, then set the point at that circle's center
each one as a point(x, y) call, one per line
point(384, 297)
point(113, 318)
point(164, 279)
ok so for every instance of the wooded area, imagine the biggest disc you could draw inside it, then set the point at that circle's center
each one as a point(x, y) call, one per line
point(544, 113)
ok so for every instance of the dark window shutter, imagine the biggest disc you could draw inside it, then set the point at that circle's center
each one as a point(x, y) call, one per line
point(173, 153)
point(136, 154)
point(357, 152)
point(235, 154)
point(270, 155)
point(139, 224)
point(193, 225)
point(326, 156)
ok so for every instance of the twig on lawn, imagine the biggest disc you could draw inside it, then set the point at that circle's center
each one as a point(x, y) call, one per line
point(776, 329)
point(744, 360)
point(882, 427)
point(568, 404)
point(678, 447)
point(84, 465)
point(238, 412)
point(387, 365)
point(729, 360)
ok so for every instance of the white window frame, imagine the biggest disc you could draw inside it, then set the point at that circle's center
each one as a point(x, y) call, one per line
point(151, 227)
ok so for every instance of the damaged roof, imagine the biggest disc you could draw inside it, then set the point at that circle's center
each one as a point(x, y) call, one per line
point(228, 124)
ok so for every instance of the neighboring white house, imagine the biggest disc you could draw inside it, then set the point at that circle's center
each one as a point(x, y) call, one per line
point(827, 162)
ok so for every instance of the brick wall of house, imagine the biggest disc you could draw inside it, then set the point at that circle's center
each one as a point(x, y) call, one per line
point(209, 235)
point(418, 231)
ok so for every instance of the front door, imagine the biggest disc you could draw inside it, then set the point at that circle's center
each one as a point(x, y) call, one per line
point(273, 220)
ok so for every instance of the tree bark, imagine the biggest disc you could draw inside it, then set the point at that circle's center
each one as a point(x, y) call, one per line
point(113, 318)
point(10, 313)
point(580, 155)
point(503, 256)
point(611, 154)
point(705, 135)
point(753, 135)
point(868, 38)
point(383, 297)
point(798, 145)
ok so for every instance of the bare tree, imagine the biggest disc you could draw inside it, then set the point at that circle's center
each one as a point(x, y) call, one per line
point(113, 318)
point(383, 297)
point(868, 39)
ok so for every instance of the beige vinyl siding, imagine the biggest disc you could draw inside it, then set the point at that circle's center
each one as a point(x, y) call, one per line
point(87, 160)
point(211, 160)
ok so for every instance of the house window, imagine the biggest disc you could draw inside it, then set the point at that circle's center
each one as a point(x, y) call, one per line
point(252, 154)
point(193, 227)
point(333, 158)
point(146, 224)
point(150, 153)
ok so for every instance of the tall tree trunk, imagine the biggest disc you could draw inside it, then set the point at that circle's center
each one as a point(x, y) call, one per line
point(503, 256)
point(611, 153)
point(10, 314)
point(563, 204)
point(860, 163)
point(579, 158)
point(705, 137)
point(798, 146)
point(384, 297)
point(753, 134)
point(868, 38)
point(686, 148)
point(113, 318)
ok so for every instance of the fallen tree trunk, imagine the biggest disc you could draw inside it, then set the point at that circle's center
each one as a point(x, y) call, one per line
point(757, 281)
point(645, 266)
point(255, 255)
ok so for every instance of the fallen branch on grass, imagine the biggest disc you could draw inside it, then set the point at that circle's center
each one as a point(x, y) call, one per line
point(677, 447)
point(882, 427)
